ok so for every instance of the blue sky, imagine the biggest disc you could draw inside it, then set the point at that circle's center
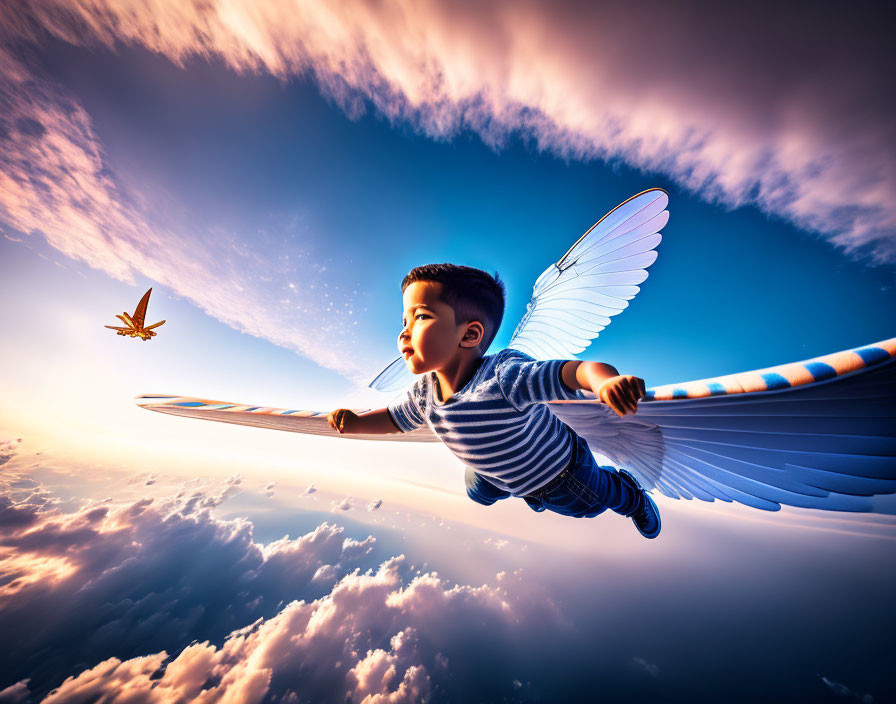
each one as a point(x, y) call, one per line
point(273, 182)
point(250, 161)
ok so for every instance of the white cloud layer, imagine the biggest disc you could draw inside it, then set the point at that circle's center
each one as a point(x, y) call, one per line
point(790, 115)
point(372, 640)
point(116, 579)
point(117, 587)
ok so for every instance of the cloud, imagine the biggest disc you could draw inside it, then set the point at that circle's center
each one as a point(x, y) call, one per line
point(309, 490)
point(372, 639)
point(144, 478)
point(269, 489)
point(158, 601)
point(326, 574)
point(121, 579)
point(344, 505)
point(647, 668)
point(8, 450)
point(791, 116)
point(55, 181)
point(201, 499)
point(374, 505)
point(845, 691)
point(15, 693)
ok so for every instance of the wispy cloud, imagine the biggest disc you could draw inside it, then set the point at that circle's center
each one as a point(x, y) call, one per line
point(8, 450)
point(16, 693)
point(845, 691)
point(647, 668)
point(55, 181)
point(344, 505)
point(791, 116)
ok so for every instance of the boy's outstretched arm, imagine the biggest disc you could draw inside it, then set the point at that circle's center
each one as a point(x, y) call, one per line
point(377, 422)
point(621, 393)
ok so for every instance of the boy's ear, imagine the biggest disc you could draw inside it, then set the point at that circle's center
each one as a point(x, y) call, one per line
point(474, 334)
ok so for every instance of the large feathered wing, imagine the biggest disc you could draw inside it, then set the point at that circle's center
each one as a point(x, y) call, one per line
point(817, 434)
point(292, 420)
point(574, 299)
point(814, 434)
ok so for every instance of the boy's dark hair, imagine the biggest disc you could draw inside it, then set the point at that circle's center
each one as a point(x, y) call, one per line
point(472, 293)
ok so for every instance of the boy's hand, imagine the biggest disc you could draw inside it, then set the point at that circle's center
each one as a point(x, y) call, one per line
point(342, 419)
point(622, 393)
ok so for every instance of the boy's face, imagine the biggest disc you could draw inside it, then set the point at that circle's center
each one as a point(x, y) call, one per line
point(429, 339)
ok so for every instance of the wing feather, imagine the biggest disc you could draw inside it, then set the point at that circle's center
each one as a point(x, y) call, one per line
point(821, 434)
point(815, 434)
point(636, 241)
point(574, 299)
point(296, 421)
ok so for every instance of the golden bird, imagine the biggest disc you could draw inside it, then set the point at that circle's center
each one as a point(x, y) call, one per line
point(135, 322)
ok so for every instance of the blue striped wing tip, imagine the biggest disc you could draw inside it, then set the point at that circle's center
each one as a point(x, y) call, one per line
point(784, 376)
point(158, 402)
point(154, 399)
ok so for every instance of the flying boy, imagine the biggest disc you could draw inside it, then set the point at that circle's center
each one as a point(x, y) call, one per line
point(490, 409)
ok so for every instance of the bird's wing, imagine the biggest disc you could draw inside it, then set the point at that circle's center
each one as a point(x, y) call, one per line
point(154, 325)
point(126, 319)
point(296, 421)
point(574, 299)
point(119, 329)
point(394, 377)
point(140, 314)
point(814, 434)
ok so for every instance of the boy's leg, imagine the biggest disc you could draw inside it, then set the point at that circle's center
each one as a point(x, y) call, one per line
point(589, 489)
point(647, 516)
point(598, 488)
point(481, 490)
point(617, 492)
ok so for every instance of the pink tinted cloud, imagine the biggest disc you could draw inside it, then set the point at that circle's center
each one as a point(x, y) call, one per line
point(138, 581)
point(55, 181)
point(741, 105)
point(329, 648)
point(115, 579)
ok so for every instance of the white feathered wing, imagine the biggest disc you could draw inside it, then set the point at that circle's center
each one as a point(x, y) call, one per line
point(574, 299)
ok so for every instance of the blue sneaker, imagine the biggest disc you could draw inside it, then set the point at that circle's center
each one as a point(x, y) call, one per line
point(645, 516)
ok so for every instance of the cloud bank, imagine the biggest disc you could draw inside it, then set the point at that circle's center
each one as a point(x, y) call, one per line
point(117, 580)
point(156, 600)
point(784, 107)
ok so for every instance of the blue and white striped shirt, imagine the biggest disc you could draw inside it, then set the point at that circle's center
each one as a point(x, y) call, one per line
point(498, 423)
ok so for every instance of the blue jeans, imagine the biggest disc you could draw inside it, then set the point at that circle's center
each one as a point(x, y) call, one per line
point(583, 490)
